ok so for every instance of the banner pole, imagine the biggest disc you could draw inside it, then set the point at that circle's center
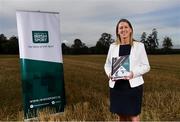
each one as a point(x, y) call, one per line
point(38, 11)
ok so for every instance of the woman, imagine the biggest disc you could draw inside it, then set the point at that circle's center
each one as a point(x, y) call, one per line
point(126, 90)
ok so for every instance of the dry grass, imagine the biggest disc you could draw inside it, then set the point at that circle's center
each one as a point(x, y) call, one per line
point(87, 90)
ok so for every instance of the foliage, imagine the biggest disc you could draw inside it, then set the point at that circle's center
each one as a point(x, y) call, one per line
point(103, 43)
point(78, 47)
point(151, 42)
point(65, 49)
point(143, 37)
point(8, 46)
point(167, 44)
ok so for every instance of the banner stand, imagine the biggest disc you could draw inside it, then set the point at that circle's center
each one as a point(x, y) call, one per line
point(41, 62)
point(37, 118)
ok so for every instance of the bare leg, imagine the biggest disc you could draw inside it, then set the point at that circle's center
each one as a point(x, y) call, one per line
point(123, 118)
point(134, 118)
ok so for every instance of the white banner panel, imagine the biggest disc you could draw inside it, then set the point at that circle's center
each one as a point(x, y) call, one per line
point(33, 32)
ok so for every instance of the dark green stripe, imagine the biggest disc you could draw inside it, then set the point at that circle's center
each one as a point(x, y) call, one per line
point(42, 79)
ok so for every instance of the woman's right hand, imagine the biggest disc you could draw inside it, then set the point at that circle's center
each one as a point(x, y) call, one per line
point(110, 77)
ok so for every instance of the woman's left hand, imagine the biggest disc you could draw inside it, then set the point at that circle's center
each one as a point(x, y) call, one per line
point(130, 76)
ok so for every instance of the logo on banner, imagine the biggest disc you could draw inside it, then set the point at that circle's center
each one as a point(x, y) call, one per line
point(40, 36)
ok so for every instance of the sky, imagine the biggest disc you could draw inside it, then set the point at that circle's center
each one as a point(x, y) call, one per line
point(88, 19)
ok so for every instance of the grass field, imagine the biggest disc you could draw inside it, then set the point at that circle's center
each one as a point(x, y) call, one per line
point(87, 90)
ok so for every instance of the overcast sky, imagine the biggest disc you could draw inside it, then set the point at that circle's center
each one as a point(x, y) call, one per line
point(88, 19)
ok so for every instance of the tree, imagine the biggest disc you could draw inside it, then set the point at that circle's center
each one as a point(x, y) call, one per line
point(65, 49)
point(77, 44)
point(144, 40)
point(154, 38)
point(3, 40)
point(151, 42)
point(13, 45)
point(9, 46)
point(167, 43)
point(143, 37)
point(79, 48)
point(103, 43)
point(3, 37)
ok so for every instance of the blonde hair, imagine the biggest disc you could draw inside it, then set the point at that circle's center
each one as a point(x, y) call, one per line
point(118, 38)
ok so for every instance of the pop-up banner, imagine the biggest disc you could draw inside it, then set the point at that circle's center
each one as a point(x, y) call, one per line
point(41, 61)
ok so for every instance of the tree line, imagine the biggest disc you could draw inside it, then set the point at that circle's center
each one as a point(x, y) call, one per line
point(78, 47)
point(151, 42)
point(8, 46)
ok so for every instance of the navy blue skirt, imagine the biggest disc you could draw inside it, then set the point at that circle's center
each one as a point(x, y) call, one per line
point(125, 100)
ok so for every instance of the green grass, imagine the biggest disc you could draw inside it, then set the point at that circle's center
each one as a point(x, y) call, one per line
point(87, 90)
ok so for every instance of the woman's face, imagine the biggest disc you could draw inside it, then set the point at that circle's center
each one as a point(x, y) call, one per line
point(124, 30)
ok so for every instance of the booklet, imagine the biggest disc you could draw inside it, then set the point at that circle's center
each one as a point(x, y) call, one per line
point(120, 67)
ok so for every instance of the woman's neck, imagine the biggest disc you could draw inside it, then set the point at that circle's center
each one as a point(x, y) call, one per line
point(125, 41)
